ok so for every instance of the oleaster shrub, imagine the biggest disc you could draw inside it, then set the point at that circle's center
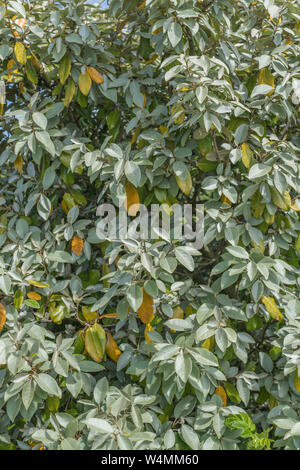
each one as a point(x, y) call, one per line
point(149, 344)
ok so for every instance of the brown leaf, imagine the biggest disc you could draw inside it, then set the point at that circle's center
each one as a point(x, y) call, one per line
point(2, 316)
point(146, 310)
point(77, 245)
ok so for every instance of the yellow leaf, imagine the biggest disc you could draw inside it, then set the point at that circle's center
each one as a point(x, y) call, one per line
point(150, 61)
point(64, 207)
point(77, 245)
point(38, 284)
point(64, 69)
point(84, 83)
point(2, 316)
point(297, 382)
point(132, 202)
point(246, 155)
point(146, 310)
point(108, 315)
point(33, 295)
point(225, 200)
point(296, 205)
point(209, 343)
point(185, 184)
point(69, 92)
point(33, 444)
point(95, 342)
point(272, 308)
point(95, 75)
point(88, 315)
point(147, 329)
point(265, 77)
point(222, 394)
point(141, 6)
point(11, 64)
point(18, 164)
point(20, 53)
point(112, 349)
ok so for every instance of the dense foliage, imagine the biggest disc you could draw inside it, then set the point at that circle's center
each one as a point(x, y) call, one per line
point(149, 345)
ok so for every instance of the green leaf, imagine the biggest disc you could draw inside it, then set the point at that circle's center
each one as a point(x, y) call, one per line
point(48, 384)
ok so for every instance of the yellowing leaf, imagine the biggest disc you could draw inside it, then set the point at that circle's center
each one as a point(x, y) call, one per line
point(297, 243)
point(69, 92)
point(147, 329)
point(77, 245)
point(88, 315)
point(272, 402)
point(18, 299)
point(95, 342)
point(132, 202)
point(79, 345)
point(164, 130)
point(297, 382)
point(2, 316)
point(246, 155)
point(269, 219)
point(64, 207)
point(112, 349)
point(84, 83)
point(146, 310)
point(64, 69)
point(256, 205)
point(283, 201)
point(95, 75)
point(178, 112)
point(18, 164)
point(222, 394)
point(177, 313)
point(265, 77)
point(105, 271)
point(38, 284)
point(20, 53)
point(209, 343)
point(185, 184)
point(33, 295)
point(272, 308)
